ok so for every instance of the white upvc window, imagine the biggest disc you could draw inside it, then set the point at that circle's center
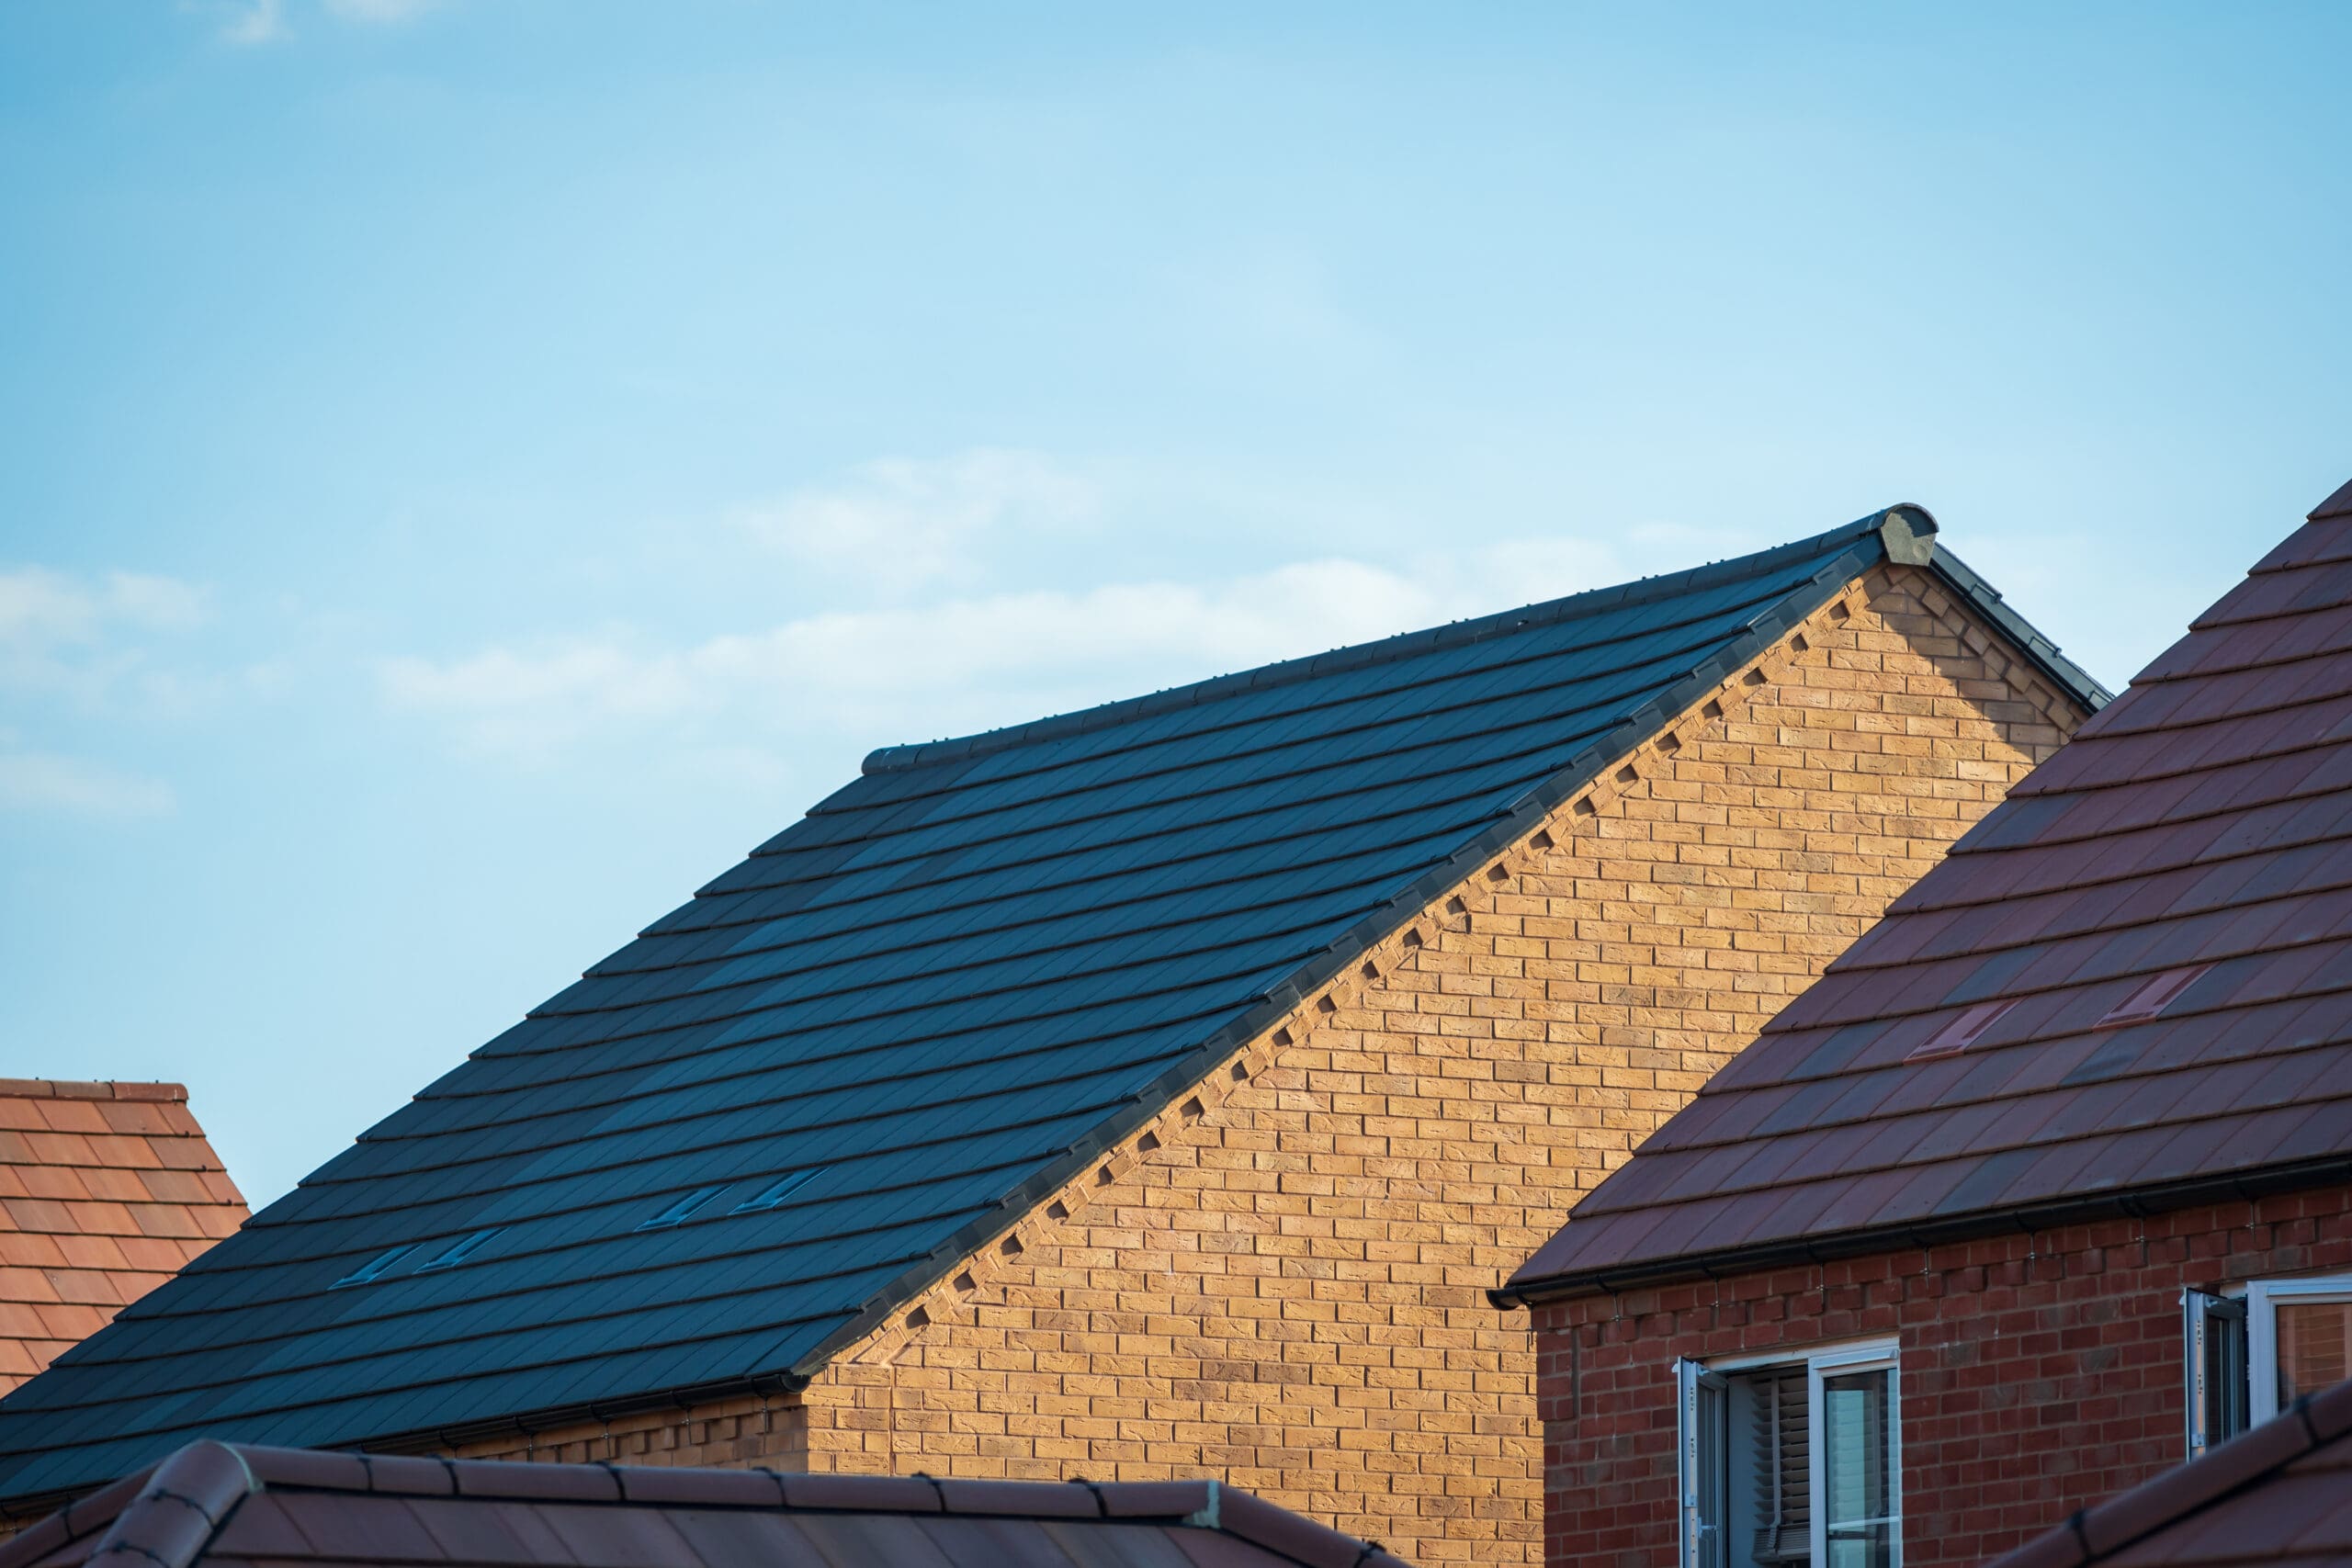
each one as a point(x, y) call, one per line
point(2298, 1334)
point(2248, 1355)
point(1793, 1459)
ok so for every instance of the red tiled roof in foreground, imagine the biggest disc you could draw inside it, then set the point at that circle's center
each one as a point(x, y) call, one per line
point(105, 1190)
point(220, 1504)
point(2279, 1493)
point(2128, 986)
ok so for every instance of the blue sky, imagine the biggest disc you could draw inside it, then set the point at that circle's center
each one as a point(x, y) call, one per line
point(469, 470)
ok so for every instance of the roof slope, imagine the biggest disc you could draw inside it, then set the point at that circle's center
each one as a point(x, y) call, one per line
point(2129, 979)
point(927, 1004)
point(2279, 1493)
point(106, 1190)
point(211, 1503)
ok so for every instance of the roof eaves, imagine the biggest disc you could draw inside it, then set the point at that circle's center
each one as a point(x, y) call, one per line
point(1723, 1262)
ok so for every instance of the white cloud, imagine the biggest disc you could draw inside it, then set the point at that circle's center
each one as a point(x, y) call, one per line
point(38, 606)
point(902, 523)
point(379, 13)
point(256, 22)
point(79, 636)
point(918, 672)
point(249, 23)
point(41, 781)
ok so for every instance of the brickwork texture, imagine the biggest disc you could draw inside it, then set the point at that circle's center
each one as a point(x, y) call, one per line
point(2036, 1374)
point(1282, 1281)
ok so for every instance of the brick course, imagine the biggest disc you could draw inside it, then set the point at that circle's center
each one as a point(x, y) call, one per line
point(1282, 1282)
point(2039, 1373)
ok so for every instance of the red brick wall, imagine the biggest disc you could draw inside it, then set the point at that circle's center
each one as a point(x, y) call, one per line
point(2039, 1373)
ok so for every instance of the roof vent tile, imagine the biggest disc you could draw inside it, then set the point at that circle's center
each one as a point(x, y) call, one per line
point(2152, 996)
point(1963, 1031)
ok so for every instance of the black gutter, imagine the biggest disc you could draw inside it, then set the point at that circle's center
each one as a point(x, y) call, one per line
point(2138, 1202)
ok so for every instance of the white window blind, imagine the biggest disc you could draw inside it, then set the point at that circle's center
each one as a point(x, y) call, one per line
point(1783, 1468)
point(1792, 1462)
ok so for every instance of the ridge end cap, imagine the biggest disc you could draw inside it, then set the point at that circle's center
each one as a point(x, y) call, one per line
point(1909, 531)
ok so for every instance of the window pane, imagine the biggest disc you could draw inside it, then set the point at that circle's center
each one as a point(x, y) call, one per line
point(1857, 1489)
point(2218, 1390)
point(2313, 1338)
point(2227, 1390)
point(1712, 1459)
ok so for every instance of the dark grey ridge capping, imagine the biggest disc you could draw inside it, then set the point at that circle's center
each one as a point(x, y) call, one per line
point(2133, 1203)
point(1906, 530)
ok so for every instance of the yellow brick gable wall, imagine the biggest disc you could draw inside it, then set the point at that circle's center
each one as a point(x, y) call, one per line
point(1282, 1282)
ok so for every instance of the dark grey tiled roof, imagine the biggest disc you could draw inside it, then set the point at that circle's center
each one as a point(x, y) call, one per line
point(928, 1002)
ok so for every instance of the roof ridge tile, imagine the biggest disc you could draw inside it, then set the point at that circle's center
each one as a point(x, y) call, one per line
point(1904, 533)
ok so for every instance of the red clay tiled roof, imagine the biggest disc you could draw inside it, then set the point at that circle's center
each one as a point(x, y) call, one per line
point(105, 1190)
point(2279, 1493)
point(219, 1503)
point(2133, 977)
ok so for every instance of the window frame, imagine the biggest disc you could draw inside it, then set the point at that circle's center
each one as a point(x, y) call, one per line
point(2206, 1315)
point(2262, 1301)
point(1878, 1357)
point(1697, 1380)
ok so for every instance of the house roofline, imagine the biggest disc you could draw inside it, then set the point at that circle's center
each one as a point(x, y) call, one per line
point(1902, 534)
point(1722, 1263)
point(1906, 532)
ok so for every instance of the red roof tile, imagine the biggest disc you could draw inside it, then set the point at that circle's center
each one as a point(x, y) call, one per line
point(2280, 1493)
point(105, 1190)
point(220, 1504)
point(2134, 975)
